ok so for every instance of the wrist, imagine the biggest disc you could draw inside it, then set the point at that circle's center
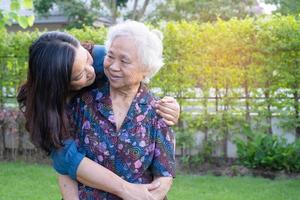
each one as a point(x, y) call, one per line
point(123, 190)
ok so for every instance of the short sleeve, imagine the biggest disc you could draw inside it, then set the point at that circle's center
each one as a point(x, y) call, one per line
point(98, 54)
point(67, 159)
point(163, 163)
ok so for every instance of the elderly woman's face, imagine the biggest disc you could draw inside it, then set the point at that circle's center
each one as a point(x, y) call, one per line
point(122, 65)
point(83, 73)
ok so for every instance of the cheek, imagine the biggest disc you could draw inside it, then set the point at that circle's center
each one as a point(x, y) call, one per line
point(106, 63)
point(79, 84)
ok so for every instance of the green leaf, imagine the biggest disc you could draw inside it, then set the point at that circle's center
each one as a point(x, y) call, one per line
point(30, 20)
point(28, 4)
point(15, 5)
point(13, 16)
point(22, 20)
point(1, 24)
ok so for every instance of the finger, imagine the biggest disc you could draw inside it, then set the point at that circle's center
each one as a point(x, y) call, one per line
point(172, 105)
point(169, 123)
point(168, 108)
point(166, 116)
point(168, 99)
point(152, 186)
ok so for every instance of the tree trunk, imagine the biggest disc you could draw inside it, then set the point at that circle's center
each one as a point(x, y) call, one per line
point(217, 99)
point(205, 107)
point(143, 10)
point(134, 10)
point(225, 125)
point(247, 105)
point(114, 11)
point(269, 113)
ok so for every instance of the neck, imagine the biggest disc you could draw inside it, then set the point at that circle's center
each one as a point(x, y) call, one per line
point(127, 93)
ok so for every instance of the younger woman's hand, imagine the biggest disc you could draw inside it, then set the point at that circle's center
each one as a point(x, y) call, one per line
point(169, 109)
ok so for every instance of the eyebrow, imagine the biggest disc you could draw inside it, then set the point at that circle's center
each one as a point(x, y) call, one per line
point(110, 52)
point(122, 56)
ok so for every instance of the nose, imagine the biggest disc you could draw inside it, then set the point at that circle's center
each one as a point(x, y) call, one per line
point(114, 66)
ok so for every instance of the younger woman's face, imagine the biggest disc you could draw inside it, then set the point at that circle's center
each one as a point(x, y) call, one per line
point(83, 73)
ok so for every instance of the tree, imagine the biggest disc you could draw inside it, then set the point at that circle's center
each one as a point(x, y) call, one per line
point(7, 17)
point(202, 10)
point(285, 6)
point(82, 13)
point(78, 12)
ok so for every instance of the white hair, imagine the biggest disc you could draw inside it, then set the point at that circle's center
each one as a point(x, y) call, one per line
point(148, 43)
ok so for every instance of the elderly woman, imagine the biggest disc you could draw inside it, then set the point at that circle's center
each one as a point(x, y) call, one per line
point(117, 125)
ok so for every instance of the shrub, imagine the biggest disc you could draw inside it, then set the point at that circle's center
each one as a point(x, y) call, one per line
point(269, 152)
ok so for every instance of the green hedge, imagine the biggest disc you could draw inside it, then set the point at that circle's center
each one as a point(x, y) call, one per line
point(240, 67)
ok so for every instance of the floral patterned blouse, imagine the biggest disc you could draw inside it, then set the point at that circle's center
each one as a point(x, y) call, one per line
point(142, 149)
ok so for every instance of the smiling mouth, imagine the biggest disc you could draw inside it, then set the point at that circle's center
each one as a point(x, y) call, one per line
point(115, 77)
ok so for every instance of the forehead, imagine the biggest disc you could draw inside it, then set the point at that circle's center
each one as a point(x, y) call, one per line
point(125, 45)
point(80, 60)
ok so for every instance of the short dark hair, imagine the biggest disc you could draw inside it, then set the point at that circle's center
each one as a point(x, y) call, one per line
point(43, 96)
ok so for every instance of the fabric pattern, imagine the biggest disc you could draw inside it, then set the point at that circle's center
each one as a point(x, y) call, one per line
point(142, 149)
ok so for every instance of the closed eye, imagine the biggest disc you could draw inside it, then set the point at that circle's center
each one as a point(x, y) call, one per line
point(78, 77)
point(110, 56)
point(125, 61)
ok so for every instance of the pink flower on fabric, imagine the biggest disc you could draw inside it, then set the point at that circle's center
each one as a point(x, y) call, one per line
point(86, 125)
point(143, 130)
point(111, 118)
point(137, 164)
point(120, 146)
point(102, 147)
point(142, 143)
point(157, 152)
point(86, 140)
point(99, 95)
point(140, 118)
point(151, 147)
point(138, 108)
point(100, 158)
point(168, 137)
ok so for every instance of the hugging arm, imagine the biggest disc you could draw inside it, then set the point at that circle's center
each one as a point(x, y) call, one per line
point(68, 161)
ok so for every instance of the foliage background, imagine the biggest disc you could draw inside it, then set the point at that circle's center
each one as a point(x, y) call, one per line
point(230, 77)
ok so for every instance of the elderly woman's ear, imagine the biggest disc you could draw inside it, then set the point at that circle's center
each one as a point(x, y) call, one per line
point(169, 109)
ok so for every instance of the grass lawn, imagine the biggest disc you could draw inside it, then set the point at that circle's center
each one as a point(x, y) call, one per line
point(19, 181)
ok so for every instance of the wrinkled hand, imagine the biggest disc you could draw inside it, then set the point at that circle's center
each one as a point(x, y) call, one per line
point(165, 184)
point(140, 191)
point(169, 109)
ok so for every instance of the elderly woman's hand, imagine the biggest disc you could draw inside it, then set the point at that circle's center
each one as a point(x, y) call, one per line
point(139, 191)
point(169, 109)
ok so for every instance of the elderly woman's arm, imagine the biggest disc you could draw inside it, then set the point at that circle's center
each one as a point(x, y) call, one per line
point(68, 187)
point(68, 161)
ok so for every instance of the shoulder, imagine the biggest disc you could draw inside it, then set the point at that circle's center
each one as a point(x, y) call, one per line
point(147, 101)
